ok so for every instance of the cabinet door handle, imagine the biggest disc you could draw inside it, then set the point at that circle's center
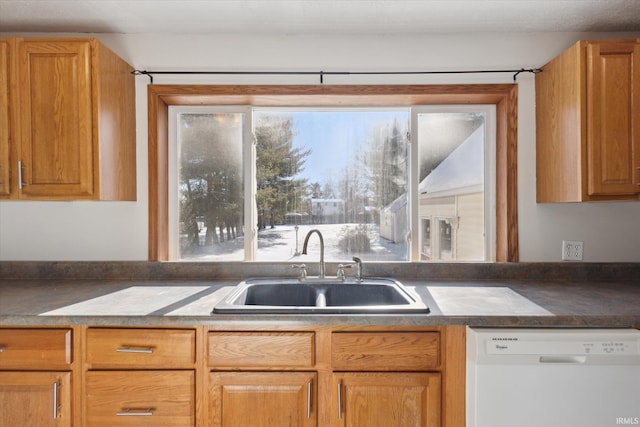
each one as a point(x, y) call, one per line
point(309, 385)
point(56, 400)
point(340, 400)
point(135, 412)
point(2, 347)
point(134, 349)
point(20, 182)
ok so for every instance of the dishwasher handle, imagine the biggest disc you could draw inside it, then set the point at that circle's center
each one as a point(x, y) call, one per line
point(576, 360)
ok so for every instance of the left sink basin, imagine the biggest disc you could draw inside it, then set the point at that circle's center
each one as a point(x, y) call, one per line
point(318, 296)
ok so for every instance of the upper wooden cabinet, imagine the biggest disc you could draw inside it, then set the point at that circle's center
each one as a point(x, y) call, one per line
point(588, 123)
point(71, 120)
point(4, 118)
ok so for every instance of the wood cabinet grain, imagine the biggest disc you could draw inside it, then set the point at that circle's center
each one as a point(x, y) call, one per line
point(31, 349)
point(263, 399)
point(140, 398)
point(260, 349)
point(392, 351)
point(588, 123)
point(248, 374)
point(140, 348)
point(71, 120)
point(36, 377)
point(376, 399)
point(4, 119)
point(40, 399)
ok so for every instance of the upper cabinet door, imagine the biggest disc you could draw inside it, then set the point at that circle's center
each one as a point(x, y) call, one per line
point(4, 118)
point(588, 123)
point(613, 106)
point(55, 115)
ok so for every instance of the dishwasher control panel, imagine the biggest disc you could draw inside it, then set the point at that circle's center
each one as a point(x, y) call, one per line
point(576, 343)
point(553, 347)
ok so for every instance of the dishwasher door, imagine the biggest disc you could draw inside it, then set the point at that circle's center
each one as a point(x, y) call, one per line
point(553, 377)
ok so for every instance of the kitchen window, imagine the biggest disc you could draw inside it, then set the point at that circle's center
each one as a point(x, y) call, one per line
point(295, 211)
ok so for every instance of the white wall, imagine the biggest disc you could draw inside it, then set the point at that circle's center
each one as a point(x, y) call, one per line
point(118, 230)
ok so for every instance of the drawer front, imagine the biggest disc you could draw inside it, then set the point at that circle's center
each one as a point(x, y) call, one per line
point(261, 349)
point(140, 398)
point(141, 348)
point(35, 349)
point(385, 351)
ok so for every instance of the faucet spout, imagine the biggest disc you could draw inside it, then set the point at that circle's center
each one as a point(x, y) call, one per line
point(304, 249)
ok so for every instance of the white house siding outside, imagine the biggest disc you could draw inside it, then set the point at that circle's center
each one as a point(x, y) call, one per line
point(465, 214)
point(452, 201)
point(393, 220)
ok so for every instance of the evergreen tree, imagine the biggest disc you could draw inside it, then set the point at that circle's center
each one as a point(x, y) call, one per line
point(278, 162)
point(211, 177)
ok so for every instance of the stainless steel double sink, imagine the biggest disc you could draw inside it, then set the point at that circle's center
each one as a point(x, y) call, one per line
point(319, 296)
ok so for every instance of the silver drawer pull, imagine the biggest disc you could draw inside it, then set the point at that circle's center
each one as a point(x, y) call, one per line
point(340, 400)
point(136, 412)
point(2, 347)
point(134, 349)
point(56, 399)
point(309, 388)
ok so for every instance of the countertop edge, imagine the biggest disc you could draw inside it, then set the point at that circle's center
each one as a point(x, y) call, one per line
point(324, 320)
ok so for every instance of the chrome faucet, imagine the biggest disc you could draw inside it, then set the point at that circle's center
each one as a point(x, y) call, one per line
point(304, 249)
point(358, 262)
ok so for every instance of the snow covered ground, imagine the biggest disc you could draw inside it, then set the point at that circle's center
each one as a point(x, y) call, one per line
point(279, 244)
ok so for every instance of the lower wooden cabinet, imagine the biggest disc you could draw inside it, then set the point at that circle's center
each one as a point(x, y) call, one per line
point(383, 399)
point(263, 399)
point(35, 377)
point(41, 399)
point(252, 375)
point(140, 398)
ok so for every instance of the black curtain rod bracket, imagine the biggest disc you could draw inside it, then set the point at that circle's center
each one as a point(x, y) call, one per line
point(321, 74)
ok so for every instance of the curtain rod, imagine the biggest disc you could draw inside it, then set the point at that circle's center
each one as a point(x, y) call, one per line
point(321, 74)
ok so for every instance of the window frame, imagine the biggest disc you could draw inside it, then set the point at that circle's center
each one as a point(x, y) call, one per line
point(490, 143)
point(503, 96)
point(248, 179)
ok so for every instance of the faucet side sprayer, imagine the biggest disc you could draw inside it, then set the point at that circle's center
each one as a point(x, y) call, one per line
point(304, 249)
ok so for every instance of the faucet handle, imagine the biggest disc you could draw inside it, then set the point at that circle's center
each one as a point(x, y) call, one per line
point(303, 270)
point(340, 275)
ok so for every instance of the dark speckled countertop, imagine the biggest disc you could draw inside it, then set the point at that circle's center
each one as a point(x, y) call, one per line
point(165, 294)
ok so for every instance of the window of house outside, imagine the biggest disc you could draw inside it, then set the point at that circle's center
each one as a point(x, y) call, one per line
point(384, 184)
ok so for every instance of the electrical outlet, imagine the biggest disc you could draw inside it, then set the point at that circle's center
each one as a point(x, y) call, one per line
point(572, 250)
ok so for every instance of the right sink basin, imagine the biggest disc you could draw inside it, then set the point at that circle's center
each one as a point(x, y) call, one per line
point(331, 296)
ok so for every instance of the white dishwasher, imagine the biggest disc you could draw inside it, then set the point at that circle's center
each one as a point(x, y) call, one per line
point(553, 377)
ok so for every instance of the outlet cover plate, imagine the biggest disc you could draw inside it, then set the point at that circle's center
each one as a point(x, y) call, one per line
point(572, 250)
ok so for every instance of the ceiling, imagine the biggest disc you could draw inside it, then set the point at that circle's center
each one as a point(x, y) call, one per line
point(317, 16)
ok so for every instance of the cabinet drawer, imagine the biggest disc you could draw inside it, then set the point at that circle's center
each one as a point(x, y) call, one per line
point(385, 351)
point(261, 349)
point(140, 398)
point(35, 349)
point(141, 348)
